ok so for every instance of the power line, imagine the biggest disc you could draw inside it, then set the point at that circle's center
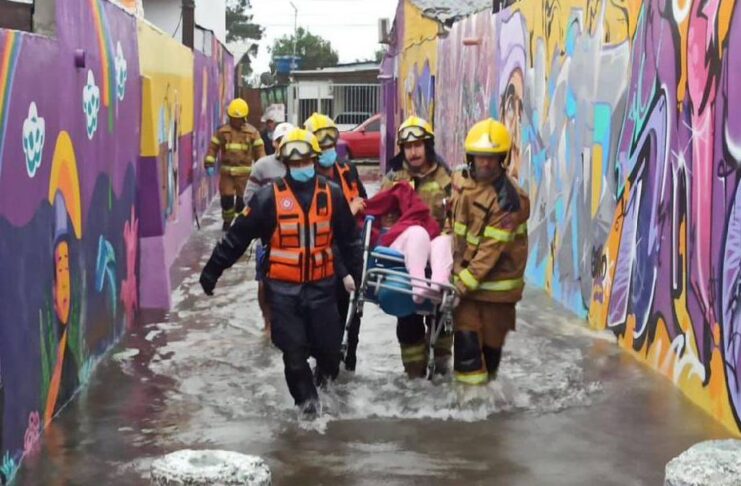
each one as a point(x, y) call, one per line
point(322, 25)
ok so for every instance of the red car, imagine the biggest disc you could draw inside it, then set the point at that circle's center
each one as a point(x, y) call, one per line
point(364, 141)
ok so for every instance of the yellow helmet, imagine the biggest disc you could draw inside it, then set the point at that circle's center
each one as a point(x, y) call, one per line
point(413, 129)
point(324, 128)
point(298, 144)
point(238, 108)
point(488, 137)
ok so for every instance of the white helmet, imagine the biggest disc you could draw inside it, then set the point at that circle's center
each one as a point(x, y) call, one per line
point(281, 129)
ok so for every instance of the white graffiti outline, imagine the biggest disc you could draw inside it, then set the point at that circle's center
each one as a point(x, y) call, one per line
point(680, 14)
point(734, 147)
point(689, 359)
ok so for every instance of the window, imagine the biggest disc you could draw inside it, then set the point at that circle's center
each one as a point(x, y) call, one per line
point(37, 16)
point(351, 118)
point(374, 126)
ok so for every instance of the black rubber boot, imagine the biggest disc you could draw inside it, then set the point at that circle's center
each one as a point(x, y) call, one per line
point(492, 356)
point(299, 379)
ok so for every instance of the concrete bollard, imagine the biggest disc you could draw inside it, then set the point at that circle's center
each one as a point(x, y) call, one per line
point(210, 467)
point(710, 463)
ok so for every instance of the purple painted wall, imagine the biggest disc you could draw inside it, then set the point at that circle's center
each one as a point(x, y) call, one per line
point(71, 205)
point(390, 113)
point(167, 215)
point(69, 141)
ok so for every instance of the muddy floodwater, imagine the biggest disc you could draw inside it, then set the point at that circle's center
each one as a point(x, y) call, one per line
point(568, 408)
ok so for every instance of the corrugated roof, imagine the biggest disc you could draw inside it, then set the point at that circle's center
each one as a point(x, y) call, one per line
point(448, 11)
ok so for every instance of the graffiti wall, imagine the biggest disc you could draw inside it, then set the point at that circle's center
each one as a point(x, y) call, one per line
point(412, 61)
point(80, 114)
point(418, 63)
point(68, 221)
point(184, 99)
point(625, 139)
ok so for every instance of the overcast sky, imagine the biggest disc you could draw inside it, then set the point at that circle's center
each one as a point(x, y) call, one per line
point(350, 25)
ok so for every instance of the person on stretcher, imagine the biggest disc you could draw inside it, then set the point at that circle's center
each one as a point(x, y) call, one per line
point(404, 223)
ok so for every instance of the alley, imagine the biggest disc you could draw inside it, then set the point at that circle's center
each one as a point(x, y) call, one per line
point(567, 409)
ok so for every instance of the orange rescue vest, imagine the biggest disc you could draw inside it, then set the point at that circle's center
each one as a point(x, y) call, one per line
point(349, 185)
point(301, 246)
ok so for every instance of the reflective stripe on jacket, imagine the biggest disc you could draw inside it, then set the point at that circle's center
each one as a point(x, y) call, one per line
point(489, 222)
point(301, 245)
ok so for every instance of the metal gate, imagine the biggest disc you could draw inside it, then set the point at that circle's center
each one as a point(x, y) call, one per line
point(347, 104)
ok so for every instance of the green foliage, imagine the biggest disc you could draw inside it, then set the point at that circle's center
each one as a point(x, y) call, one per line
point(48, 350)
point(380, 53)
point(315, 51)
point(239, 24)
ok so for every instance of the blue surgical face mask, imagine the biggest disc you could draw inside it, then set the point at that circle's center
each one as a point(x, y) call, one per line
point(328, 158)
point(302, 174)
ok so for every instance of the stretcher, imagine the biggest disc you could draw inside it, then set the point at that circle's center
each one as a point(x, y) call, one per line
point(387, 283)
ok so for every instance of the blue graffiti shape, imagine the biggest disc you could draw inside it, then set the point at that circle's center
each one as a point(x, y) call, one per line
point(8, 468)
point(105, 269)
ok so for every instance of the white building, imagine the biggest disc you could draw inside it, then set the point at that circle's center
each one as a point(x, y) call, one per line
point(210, 15)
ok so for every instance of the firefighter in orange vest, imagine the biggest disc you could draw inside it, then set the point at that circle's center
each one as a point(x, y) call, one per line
point(489, 221)
point(300, 218)
point(239, 144)
point(345, 175)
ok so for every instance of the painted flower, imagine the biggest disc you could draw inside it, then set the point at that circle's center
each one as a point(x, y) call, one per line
point(33, 432)
point(33, 139)
point(121, 72)
point(91, 104)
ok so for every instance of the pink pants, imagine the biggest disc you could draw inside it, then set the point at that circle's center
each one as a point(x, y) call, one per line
point(417, 248)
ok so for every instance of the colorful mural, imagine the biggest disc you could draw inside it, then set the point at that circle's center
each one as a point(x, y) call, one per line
point(625, 141)
point(76, 219)
point(67, 194)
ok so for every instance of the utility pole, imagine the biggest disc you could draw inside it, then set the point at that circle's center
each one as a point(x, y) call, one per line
point(189, 22)
point(295, 35)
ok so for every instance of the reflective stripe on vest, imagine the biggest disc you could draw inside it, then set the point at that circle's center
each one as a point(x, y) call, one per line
point(236, 170)
point(491, 232)
point(468, 279)
point(493, 286)
point(475, 378)
point(301, 245)
point(351, 191)
point(237, 147)
point(413, 354)
point(503, 285)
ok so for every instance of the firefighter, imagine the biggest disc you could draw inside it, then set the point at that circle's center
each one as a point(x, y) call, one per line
point(239, 144)
point(418, 164)
point(345, 175)
point(489, 221)
point(298, 217)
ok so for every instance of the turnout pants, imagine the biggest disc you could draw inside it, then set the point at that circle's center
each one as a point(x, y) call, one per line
point(305, 322)
point(231, 189)
point(412, 333)
point(480, 330)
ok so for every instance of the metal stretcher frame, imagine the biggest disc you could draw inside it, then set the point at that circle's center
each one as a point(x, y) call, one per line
point(377, 278)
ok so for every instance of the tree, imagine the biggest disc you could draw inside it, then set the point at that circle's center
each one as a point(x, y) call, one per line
point(314, 51)
point(239, 25)
point(380, 53)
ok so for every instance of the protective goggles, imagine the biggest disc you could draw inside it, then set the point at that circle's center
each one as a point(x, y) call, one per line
point(296, 150)
point(327, 136)
point(412, 134)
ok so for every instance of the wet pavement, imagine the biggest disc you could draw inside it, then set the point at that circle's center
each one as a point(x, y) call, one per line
point(569, 407)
